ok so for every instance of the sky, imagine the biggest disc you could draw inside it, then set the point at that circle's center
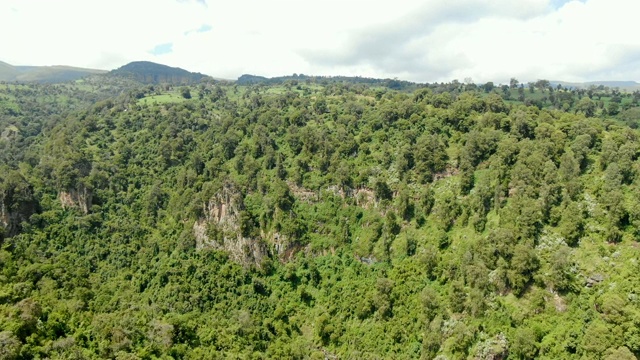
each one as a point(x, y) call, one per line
point(415, 40)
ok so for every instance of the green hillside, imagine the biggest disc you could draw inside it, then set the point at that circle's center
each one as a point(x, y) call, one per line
point(318, 219)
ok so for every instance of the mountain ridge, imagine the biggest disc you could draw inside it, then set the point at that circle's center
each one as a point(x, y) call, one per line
point(149, 72)
point(152, 73)
point(622, 84)
point(44, 74)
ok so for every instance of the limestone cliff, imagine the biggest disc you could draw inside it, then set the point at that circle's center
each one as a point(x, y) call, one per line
point(220, 226)
point(220, 229)
point(80, 198)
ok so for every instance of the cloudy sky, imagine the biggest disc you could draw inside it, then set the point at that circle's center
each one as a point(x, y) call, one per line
point(418, 40)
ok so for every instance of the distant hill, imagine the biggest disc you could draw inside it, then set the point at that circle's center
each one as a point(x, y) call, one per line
point(152, 73)
point(625, 85)
point(44, 74)
point(8, 72)
point(247, 79)
point(394, 84)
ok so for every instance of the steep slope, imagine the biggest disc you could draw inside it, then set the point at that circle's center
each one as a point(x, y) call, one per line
point(325, 221)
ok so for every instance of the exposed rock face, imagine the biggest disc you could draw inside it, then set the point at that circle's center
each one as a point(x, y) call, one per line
point(301, 193)
point(5, 219)
point(80, 198)
point(365, 198)
point(284, 248)
point(220, 229)
point(594, 280)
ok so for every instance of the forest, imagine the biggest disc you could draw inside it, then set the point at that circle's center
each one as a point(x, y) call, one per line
point(318, 218)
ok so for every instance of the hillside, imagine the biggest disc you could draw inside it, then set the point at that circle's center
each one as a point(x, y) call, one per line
point(318, 220)
point(152, 73)
point(44, 74)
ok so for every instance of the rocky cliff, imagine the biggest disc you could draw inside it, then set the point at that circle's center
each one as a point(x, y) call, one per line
point(80, 197)
point(220, 229)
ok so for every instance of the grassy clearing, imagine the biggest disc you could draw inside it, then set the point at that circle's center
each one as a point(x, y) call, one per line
point(166, 98)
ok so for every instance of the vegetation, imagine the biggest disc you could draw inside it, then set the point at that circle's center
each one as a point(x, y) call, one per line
point(318, 219)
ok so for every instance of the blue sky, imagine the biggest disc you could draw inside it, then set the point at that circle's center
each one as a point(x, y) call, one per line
point(162, 49)
point(419, 40)
point(557, 4)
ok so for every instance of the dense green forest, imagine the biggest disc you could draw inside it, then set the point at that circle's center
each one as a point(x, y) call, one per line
point(318, 218)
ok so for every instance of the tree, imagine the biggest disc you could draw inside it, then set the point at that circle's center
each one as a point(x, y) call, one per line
point(496, 104)
point(581, 147)
point(185, 92)
point(562, 278)
point(523, 265)
point(613, 108)
point(524, 344)
point(430, 156)
point(320, 106)
point(597, 339)
point(572, 223)
point(457, 296)
point(586, 106)
point(531, 87)
point(447, 209)
point(430, 301)
point(382, 299)
point(382, 190)
point(391, 225)
point(488, 87)
point(405, 205)
point(609, 153)
point(542, 84)
point(513, 83)
point(506, 92)
point(284, 200)
point(9, 345)
point(621, 353)
point(569, 172)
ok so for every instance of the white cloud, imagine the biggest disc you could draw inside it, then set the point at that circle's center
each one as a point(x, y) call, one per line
point(577, 42)
point(426, 40)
